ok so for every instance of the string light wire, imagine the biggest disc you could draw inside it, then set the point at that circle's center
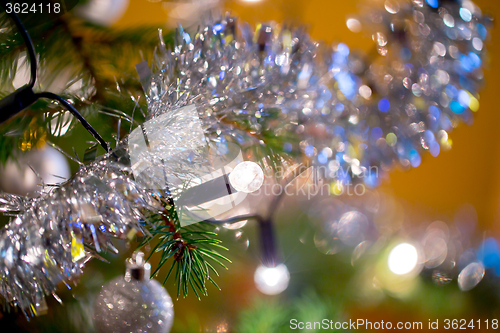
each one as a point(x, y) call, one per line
point(24, 96)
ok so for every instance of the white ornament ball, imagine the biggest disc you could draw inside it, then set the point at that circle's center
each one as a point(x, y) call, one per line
point(247, 177)
point(133, 303)
point(17, 176)
point(102, 12)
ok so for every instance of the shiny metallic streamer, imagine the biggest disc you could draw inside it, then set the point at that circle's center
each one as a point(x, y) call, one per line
point(52, 236)
point(352, 116)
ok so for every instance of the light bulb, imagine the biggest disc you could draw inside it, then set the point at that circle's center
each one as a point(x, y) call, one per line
point(403, 258)
point(272, 280)
point(247, 177)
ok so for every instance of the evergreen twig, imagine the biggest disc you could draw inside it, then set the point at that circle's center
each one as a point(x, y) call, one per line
point(190, 250)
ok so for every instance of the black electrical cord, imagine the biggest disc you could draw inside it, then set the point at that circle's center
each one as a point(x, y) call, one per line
point(270, 257)
point(24, 96)
point(76, 114)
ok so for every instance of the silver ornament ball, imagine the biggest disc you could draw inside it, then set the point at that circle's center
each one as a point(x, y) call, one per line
point(24, 174)
point(134, 303)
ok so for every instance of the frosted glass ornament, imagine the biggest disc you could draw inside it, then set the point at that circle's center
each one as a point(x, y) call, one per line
point(134, 303)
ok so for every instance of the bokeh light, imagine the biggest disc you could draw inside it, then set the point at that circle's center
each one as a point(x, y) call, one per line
point(403, 259)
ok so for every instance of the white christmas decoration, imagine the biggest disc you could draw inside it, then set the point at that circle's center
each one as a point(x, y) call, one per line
point(134, 303)
point(32, 170)
point(103, 12)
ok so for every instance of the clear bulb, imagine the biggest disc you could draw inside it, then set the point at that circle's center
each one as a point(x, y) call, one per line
point(272, 280)
point(247, 177)
point(403, 259)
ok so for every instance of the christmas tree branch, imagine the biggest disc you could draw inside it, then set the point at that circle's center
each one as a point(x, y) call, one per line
point(86, 60)
point(72, 52)
point(191, 249)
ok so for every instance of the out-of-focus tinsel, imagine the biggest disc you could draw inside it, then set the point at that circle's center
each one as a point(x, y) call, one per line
point(52, 236)
point(351, 116)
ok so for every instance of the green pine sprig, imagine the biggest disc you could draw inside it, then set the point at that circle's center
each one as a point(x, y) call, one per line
point(192, 251)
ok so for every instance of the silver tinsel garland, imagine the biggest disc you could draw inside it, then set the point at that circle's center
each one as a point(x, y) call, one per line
point(348, 114)
point(351, 116)
point(51, 238)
